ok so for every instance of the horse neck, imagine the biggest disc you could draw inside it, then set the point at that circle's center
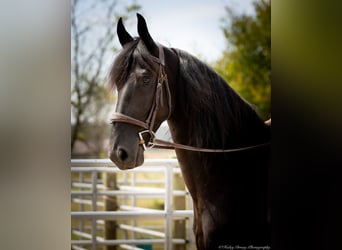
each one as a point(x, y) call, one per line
point(209, 113)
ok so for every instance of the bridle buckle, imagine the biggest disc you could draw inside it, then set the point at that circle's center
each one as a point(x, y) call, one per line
point(150, 144)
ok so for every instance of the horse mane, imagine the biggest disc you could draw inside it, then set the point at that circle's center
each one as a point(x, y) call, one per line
point(215, 113)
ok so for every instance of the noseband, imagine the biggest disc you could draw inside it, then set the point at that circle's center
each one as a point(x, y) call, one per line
point(163, 85)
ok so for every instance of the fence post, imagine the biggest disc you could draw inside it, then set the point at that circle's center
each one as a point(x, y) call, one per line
point(94, 208)
point(179, 204)
point(168, 206)
point(110, 183)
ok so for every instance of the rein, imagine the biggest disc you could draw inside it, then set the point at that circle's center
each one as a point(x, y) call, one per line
point(148, 125)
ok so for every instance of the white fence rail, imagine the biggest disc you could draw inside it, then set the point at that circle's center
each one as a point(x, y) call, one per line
point(88, 191)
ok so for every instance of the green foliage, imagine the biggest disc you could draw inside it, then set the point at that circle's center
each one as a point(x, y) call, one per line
point(246, 63)
point(133, 8)
point(158, 204)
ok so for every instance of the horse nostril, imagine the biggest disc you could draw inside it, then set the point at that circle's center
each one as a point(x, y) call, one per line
point(122, 154)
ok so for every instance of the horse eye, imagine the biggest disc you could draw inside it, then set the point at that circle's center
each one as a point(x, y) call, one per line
point(146, 79)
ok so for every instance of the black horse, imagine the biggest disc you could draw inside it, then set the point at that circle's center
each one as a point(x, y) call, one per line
point(229, 189)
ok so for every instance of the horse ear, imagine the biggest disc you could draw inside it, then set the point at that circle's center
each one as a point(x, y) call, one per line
point(145, 35)
point(124, 36)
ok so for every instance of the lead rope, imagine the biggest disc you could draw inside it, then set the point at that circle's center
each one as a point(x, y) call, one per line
point(158, 143)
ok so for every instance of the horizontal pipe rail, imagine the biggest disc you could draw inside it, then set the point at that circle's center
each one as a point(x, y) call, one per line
point(134, 208)
point(114, 215)
point(142, 169)
point(85, 235)
point(128, 241)
point(146, 181)
point(141, 230)
point(151, 190)
point(74, 247)
point(100, 224)
point(114, 193)
point(109, 163)
point(159, 192)
point(86, 185)
point(120, 182)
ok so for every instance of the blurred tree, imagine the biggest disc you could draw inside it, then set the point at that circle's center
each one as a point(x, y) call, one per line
point(246, 63)
point(92, 32)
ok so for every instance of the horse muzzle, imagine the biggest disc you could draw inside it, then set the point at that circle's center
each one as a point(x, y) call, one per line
point(126, 159)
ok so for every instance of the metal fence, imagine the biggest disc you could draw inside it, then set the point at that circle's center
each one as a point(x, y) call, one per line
point(89, 215)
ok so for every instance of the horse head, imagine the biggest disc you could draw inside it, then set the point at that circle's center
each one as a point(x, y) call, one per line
point(138, 73)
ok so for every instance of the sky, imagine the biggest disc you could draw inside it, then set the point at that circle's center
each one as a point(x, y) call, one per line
point(191, 25)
